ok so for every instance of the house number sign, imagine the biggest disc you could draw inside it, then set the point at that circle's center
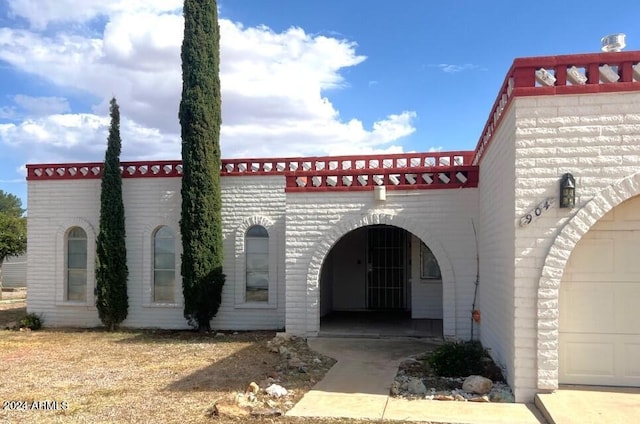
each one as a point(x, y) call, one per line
point(536, 212)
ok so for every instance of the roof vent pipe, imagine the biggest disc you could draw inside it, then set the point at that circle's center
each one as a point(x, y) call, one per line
point(613, 43)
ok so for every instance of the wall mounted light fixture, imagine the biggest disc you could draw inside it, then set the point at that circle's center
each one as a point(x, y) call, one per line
point(567, 191)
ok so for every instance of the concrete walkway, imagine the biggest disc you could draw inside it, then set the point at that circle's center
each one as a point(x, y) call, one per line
point(358, 387)
point(591, 405)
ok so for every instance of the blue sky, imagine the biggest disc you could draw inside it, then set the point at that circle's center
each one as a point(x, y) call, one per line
point(298, 77)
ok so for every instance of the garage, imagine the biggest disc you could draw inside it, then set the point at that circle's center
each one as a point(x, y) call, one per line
point(599, 319)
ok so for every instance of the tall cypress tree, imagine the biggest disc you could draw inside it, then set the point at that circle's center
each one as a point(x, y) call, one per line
point(111, 253)
point(200, 119)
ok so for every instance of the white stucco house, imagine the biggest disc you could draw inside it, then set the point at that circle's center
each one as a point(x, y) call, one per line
point(557, 287)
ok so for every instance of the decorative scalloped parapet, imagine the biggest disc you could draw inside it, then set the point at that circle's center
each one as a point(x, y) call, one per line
point(346, 173)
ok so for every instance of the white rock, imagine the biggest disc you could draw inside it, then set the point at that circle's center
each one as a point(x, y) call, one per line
point(276, 390)
point(416, 386)
point(477, 384)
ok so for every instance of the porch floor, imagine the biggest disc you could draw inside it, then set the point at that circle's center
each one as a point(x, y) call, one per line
point(378, 324)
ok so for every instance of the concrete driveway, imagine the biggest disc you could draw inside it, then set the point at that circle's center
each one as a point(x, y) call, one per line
point(591, 405)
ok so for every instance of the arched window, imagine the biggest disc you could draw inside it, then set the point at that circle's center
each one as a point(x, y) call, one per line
point(76, 265)
point(164, 265)
point(257, 256)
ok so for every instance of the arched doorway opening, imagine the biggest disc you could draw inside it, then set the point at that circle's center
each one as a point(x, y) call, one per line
point(381, 280)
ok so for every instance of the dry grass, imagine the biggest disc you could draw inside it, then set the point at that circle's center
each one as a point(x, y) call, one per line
point(132, 376)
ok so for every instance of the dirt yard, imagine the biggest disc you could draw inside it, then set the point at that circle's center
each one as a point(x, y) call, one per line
point(92, 376)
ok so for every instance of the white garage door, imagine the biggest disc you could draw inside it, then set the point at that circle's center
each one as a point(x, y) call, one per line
point(600, 303)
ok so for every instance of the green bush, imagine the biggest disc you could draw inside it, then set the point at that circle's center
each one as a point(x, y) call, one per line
point(461, 359)
point(31, 321)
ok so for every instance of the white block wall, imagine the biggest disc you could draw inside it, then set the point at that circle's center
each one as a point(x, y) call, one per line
point(441, 218)
point(149, 205)
point(248, 201)
point(496, 244)
point(596, 137)
point(55, 206)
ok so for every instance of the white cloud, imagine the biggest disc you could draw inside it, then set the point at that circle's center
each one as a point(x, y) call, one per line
point(451, 68)
point(142, 42)
point(55, 137)
point(274, 85)
point(81, 137)
point(395, 126)
point(41, 13)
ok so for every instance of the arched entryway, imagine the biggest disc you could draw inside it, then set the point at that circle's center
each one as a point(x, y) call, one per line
point(303, 297)
point(381, 280)
point(599, 324)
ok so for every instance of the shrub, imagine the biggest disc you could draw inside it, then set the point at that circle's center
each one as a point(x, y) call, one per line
point(31, 321)
point(461, 359)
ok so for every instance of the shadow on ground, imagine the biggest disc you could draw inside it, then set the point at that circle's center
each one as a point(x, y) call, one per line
point(11, 312)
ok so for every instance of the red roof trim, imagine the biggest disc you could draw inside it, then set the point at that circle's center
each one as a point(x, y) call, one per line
point(521, 81)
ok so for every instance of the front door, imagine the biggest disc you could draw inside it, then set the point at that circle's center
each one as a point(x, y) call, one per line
point(386, 267)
